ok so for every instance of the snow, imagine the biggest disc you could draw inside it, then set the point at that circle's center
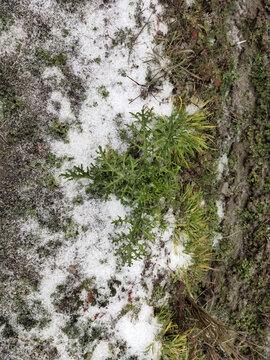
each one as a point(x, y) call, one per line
point(94, 253)
point(10, 39)
point(140, 333)
point(64, 113)
point(221, 167)
point(92, 250)
point(189, 2)
point(222, 163)
point(101, 352)
point(52, 73)
point(177, 259)
point(220, 209)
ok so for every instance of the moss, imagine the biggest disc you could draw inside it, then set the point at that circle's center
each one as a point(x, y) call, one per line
point(248, 320)
point(85, 335)
point(48, 59)
point(158, 291)
point(97, 60)
point(71, 329)
point(103, 91)
point(121, 36)
point(8, 331)
point(10, 103)
point(95, 333)
point(67, 298)
point(77, 200)
point(229, 77)
point(59, 129)
point(87, 284)
point(6, 20)
point(65, 33)
point(113, 285)
point(49, 248)
point(27, 320)
point(70, 228)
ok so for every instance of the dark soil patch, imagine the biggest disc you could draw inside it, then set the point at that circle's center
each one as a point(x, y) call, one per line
point(223, 49)
point(244, 270)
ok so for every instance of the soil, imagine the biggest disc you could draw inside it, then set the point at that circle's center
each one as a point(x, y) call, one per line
point(241, 290)
point(228, 61)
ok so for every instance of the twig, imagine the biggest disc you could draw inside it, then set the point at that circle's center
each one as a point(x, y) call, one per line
point(135, 81)
point(189, 72)
point(136, 37)
point(131, 101)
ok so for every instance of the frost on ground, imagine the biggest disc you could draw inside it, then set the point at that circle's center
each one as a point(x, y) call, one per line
point(86, 305)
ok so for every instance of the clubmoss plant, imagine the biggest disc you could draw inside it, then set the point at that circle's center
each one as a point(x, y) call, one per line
point(149, 177)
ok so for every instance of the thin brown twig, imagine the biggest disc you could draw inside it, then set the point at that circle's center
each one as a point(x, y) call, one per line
point(135, 81)
point(136, 37)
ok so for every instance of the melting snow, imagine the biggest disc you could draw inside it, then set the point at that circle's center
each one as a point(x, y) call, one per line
point(220, 209)
point(101, 352)
point(223, 162)
point(138, 334)
point(125, 318)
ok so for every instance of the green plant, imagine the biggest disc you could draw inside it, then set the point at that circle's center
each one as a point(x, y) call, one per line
point(59, 129)
point(6, 20)
point(121, 36)
point(97, 60)
point(49, 59)
point(229, 77)
point(148, 177)
point(10, 102)
point(103, 91)
point(173, 343)
point(189, 332)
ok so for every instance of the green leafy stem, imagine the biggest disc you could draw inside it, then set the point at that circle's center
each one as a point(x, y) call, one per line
point(147, 177)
